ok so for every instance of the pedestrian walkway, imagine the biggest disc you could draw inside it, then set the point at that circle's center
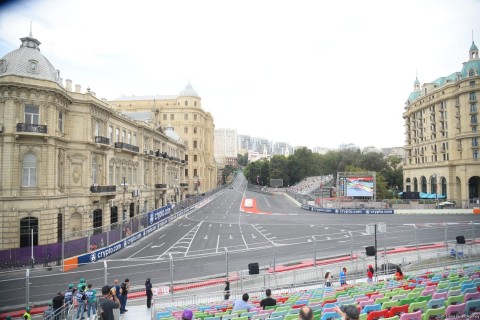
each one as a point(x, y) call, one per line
point(137, 312)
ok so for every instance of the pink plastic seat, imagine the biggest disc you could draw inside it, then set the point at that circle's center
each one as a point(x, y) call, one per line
point(471, 296)
point(360, 299)
point(455, 310)
point(364, 303)
point(412, 316)
point(440, 295)
point(376, 296)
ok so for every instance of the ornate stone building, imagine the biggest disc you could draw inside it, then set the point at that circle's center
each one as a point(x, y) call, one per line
point(195, 126)
point(68, 162)
point(442, 135)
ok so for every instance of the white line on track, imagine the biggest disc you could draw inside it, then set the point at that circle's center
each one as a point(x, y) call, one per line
point(218, 241)
point(186, 252)
point(148, 245)
point(245, 242)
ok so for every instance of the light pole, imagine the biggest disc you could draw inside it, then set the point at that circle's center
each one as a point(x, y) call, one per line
point(124, 184)
point(436, 190)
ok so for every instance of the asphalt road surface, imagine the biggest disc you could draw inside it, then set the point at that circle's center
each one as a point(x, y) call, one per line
point(199, 243)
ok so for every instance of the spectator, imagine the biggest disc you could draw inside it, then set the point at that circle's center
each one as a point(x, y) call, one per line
point(58, 302)
point(108, 302)
point(241, 304)
point(349, 312)
point(328, 279)
point(268, 301)
point(399, 274)
point(69, 295)
point(49, 312)
point(187, 314)
point(123, 295)
point(343, 276)
point(305, 313)
point(81, 299)
point(91, 301)
point(226, 291)
point(370, 272)
point(116, 287)
point(148, 290)
point(27, 315)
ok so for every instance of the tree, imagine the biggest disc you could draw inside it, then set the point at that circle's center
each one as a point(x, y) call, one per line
point(242, 160)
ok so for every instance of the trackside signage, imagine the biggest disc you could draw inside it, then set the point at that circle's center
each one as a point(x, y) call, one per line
point(348, 211)
point(159, 214)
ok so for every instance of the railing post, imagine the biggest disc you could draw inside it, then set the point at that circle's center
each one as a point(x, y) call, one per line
point(473, 232)
point(171, 269)
point(226, 263)
point(63, 250)
point(105, 272)
point(446, 238)
point(314, 252)
point(273, 244)
point(27, 287)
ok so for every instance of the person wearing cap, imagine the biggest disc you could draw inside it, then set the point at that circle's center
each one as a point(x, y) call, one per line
point(48, 313)
point(305, 313)
point(81, 299)
point(91, 300)
point(370, 272)
point(148, 291)
point(108, 302)
point(27, 315)
point(349, 312)
point(69, 295)
point(58, 302)
point(241, 304)
point(187, 314)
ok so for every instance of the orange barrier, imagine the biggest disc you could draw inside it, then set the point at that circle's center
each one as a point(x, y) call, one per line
point(476, 210)
point(70, 264)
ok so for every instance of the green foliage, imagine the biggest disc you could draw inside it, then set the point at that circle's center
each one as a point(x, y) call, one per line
point(242, 159)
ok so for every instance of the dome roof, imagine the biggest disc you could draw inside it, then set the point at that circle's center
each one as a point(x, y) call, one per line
point(188, 92)
point(416, 81)
point(171, 134)
point(27, 61)
point(470, 65)
point(473, 47)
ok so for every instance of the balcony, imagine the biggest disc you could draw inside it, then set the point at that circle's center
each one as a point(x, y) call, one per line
point(127, 147)
point(184, 185)
point(104, 141)
point(103, 189)
point(160, 186)
point(28, 129)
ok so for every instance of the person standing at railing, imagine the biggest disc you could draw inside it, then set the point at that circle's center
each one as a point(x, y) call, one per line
point(370, 273)
point(123, 295)
point(226, 291)
point(81, 299)
point(27, 315)
point(58, 303)
point(343, 276)
point(49, 312)
point(328, 278)
point(91, 300)
point(148, 291)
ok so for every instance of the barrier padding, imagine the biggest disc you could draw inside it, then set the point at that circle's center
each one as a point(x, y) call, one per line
point(70, 264)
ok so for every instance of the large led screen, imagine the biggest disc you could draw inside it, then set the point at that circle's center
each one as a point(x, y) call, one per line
point(357, 186)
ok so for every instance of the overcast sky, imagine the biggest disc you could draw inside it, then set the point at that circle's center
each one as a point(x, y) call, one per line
point(311, 73)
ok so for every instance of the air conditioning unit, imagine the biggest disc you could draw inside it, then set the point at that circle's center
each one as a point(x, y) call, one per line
point(145, 152)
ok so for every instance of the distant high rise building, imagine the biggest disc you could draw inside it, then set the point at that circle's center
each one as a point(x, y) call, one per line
point(225, 145)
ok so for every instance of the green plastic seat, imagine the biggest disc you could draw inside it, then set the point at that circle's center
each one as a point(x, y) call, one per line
point(291, 317)
point(407, 301)
point(415, 306)
point(392, 318)
point(282, 308)
point(424, 298)
point(413, 295)
point(389, 304)
point(454, 300)
point(433, 312)
point(382, 300)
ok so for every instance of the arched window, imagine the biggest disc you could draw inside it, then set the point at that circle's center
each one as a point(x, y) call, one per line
point(97, 221)
point(433, 184)
point(471, 73)
point(424, 184)
point(29, 170)
point(59, 228)
point(94, 171)
point(186, 103)
point(185, 130)
point(473, 119)
point(28, 232)
point(195, 130)
point(415, 185)
point(195, 103)
point(59, 171)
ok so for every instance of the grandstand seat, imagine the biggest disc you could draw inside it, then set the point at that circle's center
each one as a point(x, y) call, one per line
point(291, 317)
point(249, 314)
point(423, 298)
point(325, 310)
point(376, 296)
point(398, 297)
point(436, 303)
point(412, 316)
point(316, 307)
point(466, 285)
point(212, 318)
point(266, 311)
point(454, 300)
point(440, 295)
point(415, 306)
point(242, 318)
point(374, 315)
point(455, 310)
point(471, 296)
point(382, 300)
point(279, 313)
point(261, 316)
point(434, 313)
point(472, 306)
point(365, 303)
point(389, 304)
point(364, 298)
point(295, 311)
point(398, 310)
point(329, 305)
point(413, 295)
point(230, 316)
point(282, 308)
point(276, 318)
point(470, 290)
point(406, 301)
point(372, 307)
point(330, 315)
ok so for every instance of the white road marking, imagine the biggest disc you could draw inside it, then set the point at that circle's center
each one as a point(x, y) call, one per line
point(206, 237)
point(245, 242)
point(163, 235)
point(140, 250)
point(158, 245)
point(218, 241)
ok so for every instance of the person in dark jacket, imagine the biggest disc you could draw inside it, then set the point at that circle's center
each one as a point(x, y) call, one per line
point(148, 290)
point(226, 291)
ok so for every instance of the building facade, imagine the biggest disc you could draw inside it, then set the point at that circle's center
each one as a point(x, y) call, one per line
point(442, 136)
point(225, 145)
point(195, 127)
point(68, 162)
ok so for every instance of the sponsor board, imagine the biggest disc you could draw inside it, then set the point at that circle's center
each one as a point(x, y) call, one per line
point(100, 254)
point(348, 211)
point(159, 214)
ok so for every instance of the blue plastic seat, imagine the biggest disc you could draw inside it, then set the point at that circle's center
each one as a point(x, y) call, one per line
point(372, 307)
